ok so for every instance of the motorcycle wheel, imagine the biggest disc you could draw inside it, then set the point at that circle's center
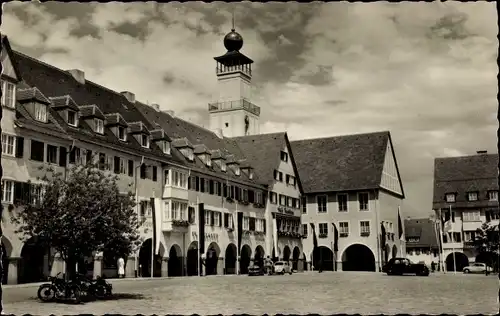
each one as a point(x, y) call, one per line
point(100, 292)
point(75, 294)
point(46, 292)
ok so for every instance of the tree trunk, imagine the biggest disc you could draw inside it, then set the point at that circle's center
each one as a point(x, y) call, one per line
point(71, 267)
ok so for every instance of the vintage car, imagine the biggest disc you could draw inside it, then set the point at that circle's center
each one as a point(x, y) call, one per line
point(477, 267)
point(282, 267)
point(400, 266)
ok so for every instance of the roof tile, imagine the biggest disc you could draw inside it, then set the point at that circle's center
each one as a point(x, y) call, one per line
point(341, 163)
point(31, 94)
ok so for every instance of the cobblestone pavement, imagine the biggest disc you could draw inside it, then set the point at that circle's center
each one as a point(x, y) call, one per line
point(301, 293)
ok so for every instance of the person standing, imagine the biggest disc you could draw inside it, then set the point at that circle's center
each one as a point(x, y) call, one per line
point(121, 267)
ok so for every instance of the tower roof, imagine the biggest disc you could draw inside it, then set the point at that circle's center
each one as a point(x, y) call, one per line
point(233, 58)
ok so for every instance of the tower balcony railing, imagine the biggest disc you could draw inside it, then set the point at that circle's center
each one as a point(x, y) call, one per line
point(234, 105)
point(229, 69)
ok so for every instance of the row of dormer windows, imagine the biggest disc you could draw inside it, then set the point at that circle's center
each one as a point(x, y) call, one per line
point(472, 196)
point(214, 187)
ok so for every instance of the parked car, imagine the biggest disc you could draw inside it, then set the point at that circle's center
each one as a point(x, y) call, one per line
point(477, 267)
point(400, 266)
point(255, 270)
point(282, 267)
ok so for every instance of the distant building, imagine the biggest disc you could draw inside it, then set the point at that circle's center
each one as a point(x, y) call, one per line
point(465, 196)
point(422, 244)
point(351, 181)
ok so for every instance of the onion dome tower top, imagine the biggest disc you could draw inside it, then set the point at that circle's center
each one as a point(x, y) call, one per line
point(233, 41)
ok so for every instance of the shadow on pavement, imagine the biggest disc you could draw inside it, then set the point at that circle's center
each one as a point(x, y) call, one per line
point(88, 299)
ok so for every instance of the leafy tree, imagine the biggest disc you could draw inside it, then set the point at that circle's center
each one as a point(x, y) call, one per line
point(486, 243)
point(79, 215)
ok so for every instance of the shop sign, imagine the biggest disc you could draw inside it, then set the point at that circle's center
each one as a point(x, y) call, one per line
point(285, 210)
point(208, 236)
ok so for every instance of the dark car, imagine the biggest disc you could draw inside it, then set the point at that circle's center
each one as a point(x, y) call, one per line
point(255, 270)
point(400, 266)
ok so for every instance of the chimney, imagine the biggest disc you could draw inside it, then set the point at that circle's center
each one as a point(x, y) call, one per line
point(482, 152)
point(156, 107)
point(219, 133)
point(129, 95)
point(170, 112)
point(78, 75)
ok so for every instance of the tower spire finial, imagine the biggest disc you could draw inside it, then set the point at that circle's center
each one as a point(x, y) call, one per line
point(232, 29)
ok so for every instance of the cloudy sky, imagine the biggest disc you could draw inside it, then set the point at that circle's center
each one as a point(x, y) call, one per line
point(424, 71)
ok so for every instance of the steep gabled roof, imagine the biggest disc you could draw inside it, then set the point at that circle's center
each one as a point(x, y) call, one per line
point(8, 49)
point(422, 228)
point(465, 174)
point(264, 151)
point(186, 134)
point(54, 82)
point(341, 163)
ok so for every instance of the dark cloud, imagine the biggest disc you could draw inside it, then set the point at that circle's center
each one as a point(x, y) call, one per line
point(451, 27)
point(139, 30)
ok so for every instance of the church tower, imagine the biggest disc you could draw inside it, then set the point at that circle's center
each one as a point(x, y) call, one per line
point(233, 114)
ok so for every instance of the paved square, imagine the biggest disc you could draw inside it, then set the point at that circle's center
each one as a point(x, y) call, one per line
point(302, 293)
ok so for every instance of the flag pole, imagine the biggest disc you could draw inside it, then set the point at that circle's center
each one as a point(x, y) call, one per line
point(453, 246)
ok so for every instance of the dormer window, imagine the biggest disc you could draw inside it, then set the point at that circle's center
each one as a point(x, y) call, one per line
point(250, 174)
point(41, 112)
point(208, 161)
point(122, 135)
point(165, 147)
point(450, 197)
point(223, 166)
point(9, 94)
point(72, 118)
point(145, 141)
point(99, 126)
point(284, 156)
point(493, 195)
point(472, 196)
point(237, 171)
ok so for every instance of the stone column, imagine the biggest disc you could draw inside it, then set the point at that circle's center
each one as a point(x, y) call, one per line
point(339, 266)
point(130, 267)
point(12, 271)
point(164, 267)
point(97, 266)
point(300, 265)
point(220, 266)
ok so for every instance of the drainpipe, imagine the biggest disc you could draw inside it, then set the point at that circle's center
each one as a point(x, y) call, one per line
point(379, 257)
point(137, 211)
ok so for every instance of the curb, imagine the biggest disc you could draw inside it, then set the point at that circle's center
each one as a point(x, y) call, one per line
point(112, 281)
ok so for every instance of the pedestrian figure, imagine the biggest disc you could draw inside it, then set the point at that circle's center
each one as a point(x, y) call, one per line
point(433, 266)
point(121, 267)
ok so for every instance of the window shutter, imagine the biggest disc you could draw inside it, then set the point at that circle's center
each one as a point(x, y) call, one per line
point(155, 173)
point(197, 183)
point(130, 168)
point(202, 185)
point(19, 147)
point(219, 187)
point(72, 155)
point(211, 186)
point(116, 165)
point(250, 196)
point(62, 156)
point(275, 174)
point(212, 215)
point(89, 156)
point(143, 171)
point(220, 219)
point(264, 224)
point(189, 182)
point(18, 192)
point(225, 190)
